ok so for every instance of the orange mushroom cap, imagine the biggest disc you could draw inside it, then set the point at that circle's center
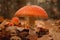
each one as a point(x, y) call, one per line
point(15, 20)
point(32, 10)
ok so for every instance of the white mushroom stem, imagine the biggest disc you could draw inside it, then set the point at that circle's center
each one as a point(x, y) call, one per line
point(31, 24)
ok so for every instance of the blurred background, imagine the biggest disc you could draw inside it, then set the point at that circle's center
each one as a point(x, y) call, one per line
point(9, 7)
point(29, 28)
